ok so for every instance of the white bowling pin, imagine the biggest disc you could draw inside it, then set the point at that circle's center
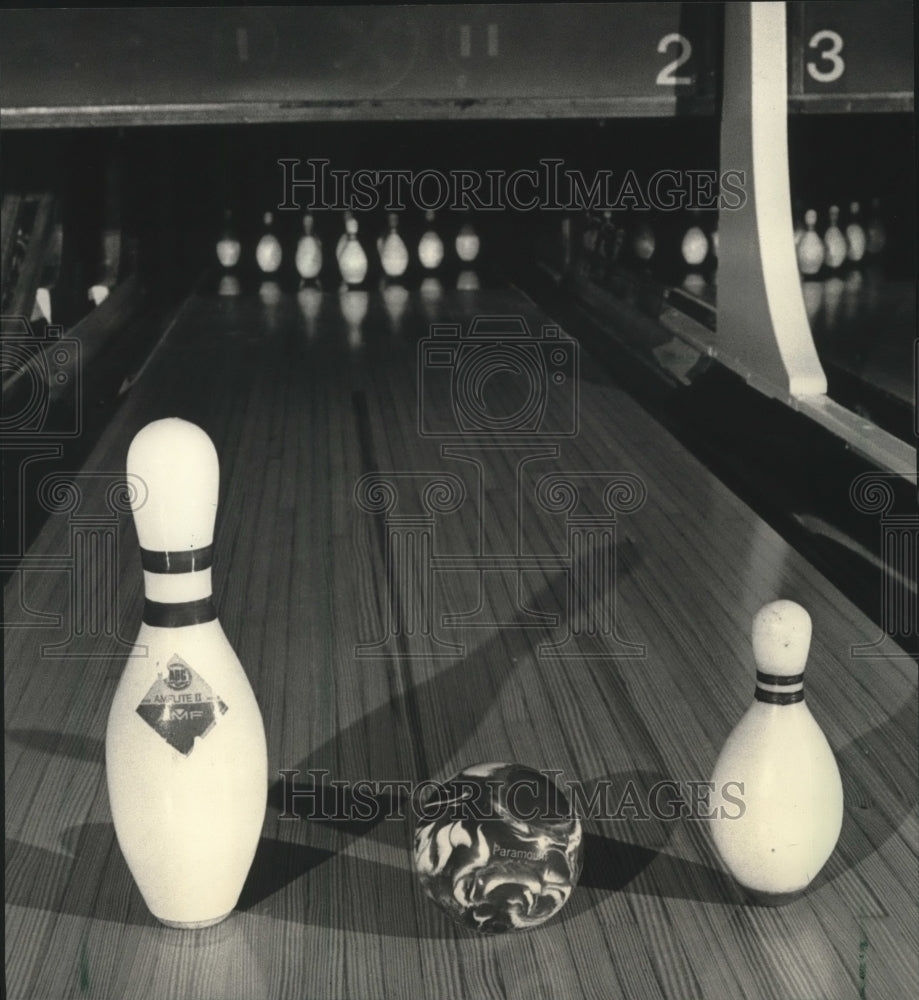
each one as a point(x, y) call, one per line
point(268, 251)
point(431, 246)
point(777, 798)
point(185, 752)
point(309, 251)
point(855, 235)
point(694, 247)
point(352, 261)
point(392, 249)
point(834, 241)
point(467, 244)
point(810, 250)
point(228, 247)
point(343, 239)
point(644, 243)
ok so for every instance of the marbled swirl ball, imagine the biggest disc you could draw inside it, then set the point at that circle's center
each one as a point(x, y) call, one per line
point(498, 847)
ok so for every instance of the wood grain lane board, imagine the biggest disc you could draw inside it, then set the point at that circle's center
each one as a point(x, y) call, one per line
point(298, 413)
point(765, 576)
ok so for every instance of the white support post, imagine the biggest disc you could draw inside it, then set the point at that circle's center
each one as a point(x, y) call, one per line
point(763, 332)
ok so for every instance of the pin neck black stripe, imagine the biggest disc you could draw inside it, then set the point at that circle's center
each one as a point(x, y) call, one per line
point(179, 615)
point(188, 561)
point(778, 679)
point(779, 697)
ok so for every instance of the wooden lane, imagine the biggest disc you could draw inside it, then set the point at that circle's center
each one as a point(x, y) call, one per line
point(300, 405)
point(764, 572)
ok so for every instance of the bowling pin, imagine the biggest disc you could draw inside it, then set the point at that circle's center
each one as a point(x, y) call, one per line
point(228, 246)
point(268, 252)
point(392, 249)
point(467, 243)
point(855, 235)
point(430, 246)
point(777, 798)
point(694, 247)
point(876, 233)
point(834, 241)
point(352, 261)
point(810, 250)
point(644, 243)
point(185, 754)
point(343, 239)
point(308, 260)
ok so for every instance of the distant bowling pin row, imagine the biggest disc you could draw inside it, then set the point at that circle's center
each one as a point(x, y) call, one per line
point(647, 241)
point(351, 256)
point(842, 243)
point(186, 752)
